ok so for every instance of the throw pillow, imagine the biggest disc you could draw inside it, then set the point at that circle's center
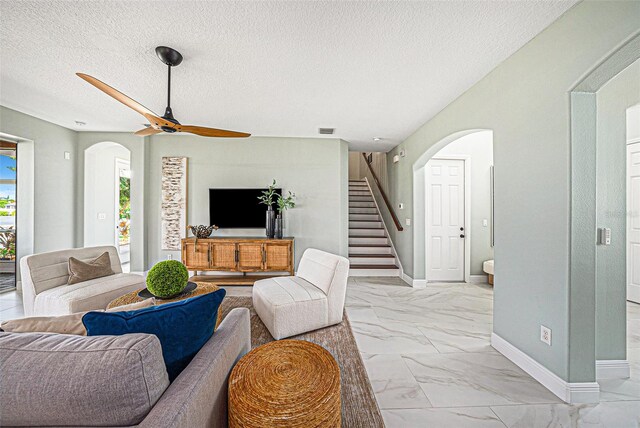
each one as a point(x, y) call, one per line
point(63, 324)
point(80, 271)
point(183, 327)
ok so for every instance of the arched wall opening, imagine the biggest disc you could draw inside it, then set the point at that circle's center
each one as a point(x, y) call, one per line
point(597, 317)
point(420, 206)
point(107, 198)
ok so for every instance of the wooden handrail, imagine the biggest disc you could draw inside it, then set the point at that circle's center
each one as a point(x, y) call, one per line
point(384, 195)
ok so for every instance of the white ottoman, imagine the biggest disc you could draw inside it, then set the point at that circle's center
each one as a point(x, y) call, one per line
point(312, 299)
point(487, 267)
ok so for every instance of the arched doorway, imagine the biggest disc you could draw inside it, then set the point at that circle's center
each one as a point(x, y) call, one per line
point(107, 198)
point(468, 154)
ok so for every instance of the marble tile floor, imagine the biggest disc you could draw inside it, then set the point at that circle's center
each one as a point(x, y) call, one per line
point(430, 363)
point(429, 359)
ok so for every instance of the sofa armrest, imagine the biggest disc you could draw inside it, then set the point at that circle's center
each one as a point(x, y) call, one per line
point(198, 396)
point(28, 289)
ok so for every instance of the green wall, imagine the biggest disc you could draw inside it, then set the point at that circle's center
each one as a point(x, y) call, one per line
point(613, 100)
point(525, 101)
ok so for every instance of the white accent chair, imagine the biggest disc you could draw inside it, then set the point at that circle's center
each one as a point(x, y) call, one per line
point(312, 299)
point(44, 283)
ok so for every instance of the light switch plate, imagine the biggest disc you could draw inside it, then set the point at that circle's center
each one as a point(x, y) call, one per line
point(485, 222)
point(396, 159)
point(408, 222)
point(400, 206)
point(67, 155)
point(102, 216)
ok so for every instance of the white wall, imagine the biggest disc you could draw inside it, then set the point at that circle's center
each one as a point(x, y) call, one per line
point(479, 147)
point(633, 124)
point(100, 192)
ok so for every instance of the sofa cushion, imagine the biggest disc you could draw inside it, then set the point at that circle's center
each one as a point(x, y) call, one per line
point(183, 327)
point(86, 296)
point(66, 380)
point(318, 267)
point(80, 271)
point(289, 305)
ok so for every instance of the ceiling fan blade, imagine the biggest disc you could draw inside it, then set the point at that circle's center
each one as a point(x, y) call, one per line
point(162, 124)
point(114, 93)
point(211, 132)
point(147, 131)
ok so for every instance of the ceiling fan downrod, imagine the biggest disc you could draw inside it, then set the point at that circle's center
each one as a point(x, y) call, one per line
point(171, 58)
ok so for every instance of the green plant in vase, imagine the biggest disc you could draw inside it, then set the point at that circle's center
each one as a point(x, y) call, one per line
point(284, 203)
point(267, 199)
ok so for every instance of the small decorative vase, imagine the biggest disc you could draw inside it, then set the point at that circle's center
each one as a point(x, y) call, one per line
point(279, 227)
point(271, 222)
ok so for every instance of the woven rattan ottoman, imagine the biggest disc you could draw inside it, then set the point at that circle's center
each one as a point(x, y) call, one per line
point(286, 383)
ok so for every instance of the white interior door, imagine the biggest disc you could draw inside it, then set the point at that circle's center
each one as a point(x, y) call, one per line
point(445, 220)
point(633, 222)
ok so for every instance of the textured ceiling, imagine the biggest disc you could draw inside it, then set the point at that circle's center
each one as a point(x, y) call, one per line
point(368, 69)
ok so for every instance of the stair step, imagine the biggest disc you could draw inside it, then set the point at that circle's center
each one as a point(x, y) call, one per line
point(359, 193)
point(374, 267)
point(375, 272)
point(356, 224)
point(360, 204)
point(368, 240)
point(368, 233)
point(363, 210)
point(371, 259)
point(386, 256)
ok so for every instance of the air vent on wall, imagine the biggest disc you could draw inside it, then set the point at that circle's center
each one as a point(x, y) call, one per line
point(326, 131)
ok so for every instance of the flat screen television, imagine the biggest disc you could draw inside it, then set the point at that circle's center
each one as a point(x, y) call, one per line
point(237, 208)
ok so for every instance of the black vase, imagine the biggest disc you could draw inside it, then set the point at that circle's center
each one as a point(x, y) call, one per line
point(279, 227)
point(271, 222)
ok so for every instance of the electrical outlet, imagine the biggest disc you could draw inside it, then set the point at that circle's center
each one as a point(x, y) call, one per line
point(102, 216)
point(545, 335)
point(169, 256)
point(485, 223)
point(67, 155)
point(407, 221)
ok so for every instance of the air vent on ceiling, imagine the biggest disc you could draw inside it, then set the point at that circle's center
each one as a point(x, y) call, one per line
point(326, 131)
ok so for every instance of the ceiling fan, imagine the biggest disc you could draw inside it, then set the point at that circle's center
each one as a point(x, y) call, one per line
point(166, 123)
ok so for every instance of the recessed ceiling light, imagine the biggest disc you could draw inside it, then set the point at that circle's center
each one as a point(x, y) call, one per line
point(80, 123)
point(377, 139)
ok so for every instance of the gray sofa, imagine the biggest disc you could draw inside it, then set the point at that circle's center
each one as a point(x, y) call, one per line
point(65, 380)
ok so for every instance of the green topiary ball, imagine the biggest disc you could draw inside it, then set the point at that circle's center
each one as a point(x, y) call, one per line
point(167, 278)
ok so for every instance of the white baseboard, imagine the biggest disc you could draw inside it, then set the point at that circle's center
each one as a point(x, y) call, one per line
point(415, 283)
point(573, 393)
point(478, 279)
point(612, 369)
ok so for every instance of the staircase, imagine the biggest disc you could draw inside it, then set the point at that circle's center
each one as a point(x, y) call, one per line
point(370, 251)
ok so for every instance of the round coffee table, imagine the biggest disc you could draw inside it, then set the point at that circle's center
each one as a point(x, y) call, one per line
point(286, 383)
point(202, 288)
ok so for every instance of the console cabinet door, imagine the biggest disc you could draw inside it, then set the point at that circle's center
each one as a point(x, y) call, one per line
point(223, 256)
point(278, 256)
point(250, 256)
point(195, 257)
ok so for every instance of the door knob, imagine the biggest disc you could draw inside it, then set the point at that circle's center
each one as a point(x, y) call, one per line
point(461, 235)
point(461, 229)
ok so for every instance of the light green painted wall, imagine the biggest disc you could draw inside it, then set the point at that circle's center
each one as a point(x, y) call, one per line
point(315, 169)
point(613, 100)
point(525, 101)
point(54, 178)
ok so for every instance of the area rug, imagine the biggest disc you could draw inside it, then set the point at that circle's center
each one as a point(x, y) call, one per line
point(359, 407)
